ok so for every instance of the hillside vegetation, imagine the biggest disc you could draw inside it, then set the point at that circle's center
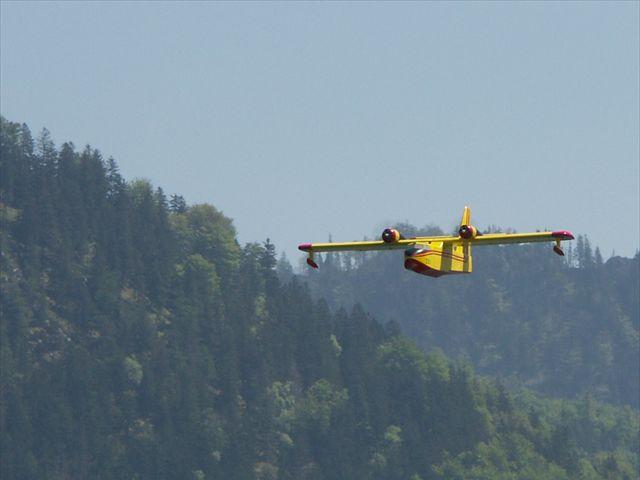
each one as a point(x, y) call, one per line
point(139, 340)
point(563, 326)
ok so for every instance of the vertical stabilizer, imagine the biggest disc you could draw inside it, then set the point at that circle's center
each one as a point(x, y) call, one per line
point(466, 231)
point(466, 217)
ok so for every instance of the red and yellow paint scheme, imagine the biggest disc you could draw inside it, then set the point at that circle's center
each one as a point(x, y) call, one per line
point(441, 255)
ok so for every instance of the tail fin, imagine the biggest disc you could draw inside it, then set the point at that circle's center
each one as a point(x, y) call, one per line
point(466, 231)
point(466, 217)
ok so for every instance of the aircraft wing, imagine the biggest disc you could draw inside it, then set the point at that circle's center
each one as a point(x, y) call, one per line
point(357, 246)
point(403, 243)
point(485, 239)
point(506, 238)
point(467, 236)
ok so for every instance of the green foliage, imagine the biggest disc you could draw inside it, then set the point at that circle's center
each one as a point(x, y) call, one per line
point(133, 370)
point(138, 339)
point(321, 403)
point(502, 459)
point(284, 406)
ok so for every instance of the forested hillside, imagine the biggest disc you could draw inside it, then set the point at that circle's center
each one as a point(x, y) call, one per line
point(564, 326)
point(138, 339)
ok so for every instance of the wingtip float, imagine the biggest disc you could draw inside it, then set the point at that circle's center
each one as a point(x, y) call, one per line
point(559, 236)
point(439, 255)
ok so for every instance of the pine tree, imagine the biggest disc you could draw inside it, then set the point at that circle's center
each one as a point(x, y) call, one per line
point(597, 257)
point(284, 269)
point(580, 251)
point(588, 253)
point(177, 204)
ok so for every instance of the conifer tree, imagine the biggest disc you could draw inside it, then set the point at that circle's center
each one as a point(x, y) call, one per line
point(177, 204)
point(597, 257)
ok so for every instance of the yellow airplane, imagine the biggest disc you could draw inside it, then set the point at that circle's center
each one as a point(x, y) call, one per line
point(437, 256)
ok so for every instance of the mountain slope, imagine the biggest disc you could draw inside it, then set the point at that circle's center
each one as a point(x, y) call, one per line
point(138, 339)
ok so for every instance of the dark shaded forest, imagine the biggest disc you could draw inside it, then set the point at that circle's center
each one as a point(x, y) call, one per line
point(139, 340)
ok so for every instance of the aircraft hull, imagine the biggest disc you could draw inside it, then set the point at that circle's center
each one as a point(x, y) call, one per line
point(435, 260)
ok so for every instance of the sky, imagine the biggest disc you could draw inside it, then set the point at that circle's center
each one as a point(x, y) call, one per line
point(306, 120)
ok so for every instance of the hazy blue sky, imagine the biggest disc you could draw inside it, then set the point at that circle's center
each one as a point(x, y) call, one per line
point(300, 120)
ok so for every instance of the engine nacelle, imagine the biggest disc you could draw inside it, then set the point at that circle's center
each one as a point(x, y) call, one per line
point(467, 232)
point(390, 235)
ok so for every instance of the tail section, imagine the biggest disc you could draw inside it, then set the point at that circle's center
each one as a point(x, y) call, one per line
point(466, 217)
point(467, 231)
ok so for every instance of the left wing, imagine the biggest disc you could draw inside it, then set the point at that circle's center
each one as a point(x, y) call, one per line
point(506, 238)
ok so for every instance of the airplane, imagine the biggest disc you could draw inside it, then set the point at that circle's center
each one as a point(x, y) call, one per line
point(439, 255)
